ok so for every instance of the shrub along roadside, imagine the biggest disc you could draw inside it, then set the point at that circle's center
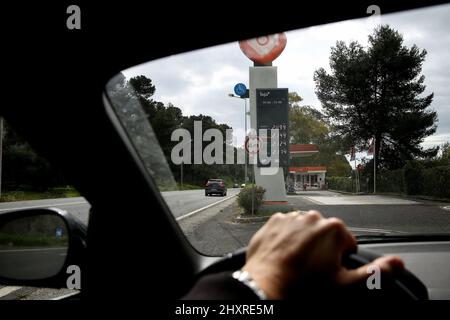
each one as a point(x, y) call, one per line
point(53, 193)
point(413, 179)
point(245, 198)
point(14, 240)
point(391, 181)
point(340, 184)
point(436, 182)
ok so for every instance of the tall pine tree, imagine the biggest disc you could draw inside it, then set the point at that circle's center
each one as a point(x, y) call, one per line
point(378, 91)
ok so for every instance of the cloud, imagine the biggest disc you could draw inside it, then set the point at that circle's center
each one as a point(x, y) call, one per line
point(200, 81)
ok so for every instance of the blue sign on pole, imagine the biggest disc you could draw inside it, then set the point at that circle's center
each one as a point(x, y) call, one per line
point(240, 89)
point(59, 232)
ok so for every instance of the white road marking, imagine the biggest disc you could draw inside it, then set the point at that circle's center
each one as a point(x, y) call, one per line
point(359, 200)
point(7, 290)
point(45, 206)
point(446, 208)
point(204, 208)
point(66, 295)
point(312, 200)
point(374, 230)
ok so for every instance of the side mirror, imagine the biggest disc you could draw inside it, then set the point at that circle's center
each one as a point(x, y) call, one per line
point(37, 246)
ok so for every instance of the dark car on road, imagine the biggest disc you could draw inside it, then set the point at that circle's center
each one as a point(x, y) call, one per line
point(215, 186)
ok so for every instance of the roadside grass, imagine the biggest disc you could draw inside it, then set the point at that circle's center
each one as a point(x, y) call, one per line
point(239, 215)
point(13, 240)
point(177, 187)
point(265, 211)
point(22, 195)
point(188, 187)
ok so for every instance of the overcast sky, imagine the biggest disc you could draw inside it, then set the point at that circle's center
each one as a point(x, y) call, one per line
point(200, 81)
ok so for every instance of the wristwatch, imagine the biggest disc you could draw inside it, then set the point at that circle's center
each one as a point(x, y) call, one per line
point(245, 278)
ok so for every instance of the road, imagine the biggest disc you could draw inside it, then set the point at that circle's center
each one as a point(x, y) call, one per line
point(378, 211)
point(77, 206)
point(369, 212)
point(363, 214)
point(179, 202)
point(213, 232)
point(31, 263)
point(18, 262)
point(185, 202)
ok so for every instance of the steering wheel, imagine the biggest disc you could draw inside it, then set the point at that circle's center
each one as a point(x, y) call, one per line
point(400, 285)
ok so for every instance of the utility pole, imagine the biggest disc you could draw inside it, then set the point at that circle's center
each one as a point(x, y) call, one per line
point(245, 131)
point(253, 196)
point(374, 165)
point(245, 137)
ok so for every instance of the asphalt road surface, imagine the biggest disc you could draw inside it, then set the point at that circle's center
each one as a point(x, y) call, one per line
point(389, 213)
point(363, 214)
point(77, 206)
point(19, 262)
point(179, 202)
point(185, 202)
point(31, 263)
point(212, 231)
point(25, 262)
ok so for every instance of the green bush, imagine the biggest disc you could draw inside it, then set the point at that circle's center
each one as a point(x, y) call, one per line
point(436, 182)
point(413, 177)
point(31, 240)
point(245, 198)
point(391, 181)
point(340, 183)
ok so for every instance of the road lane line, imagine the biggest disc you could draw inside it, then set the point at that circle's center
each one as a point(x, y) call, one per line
point(66, 295)
point(45, 206)
point(7, 290)
point(375, 230)
point(313, 201)
point(204, 208)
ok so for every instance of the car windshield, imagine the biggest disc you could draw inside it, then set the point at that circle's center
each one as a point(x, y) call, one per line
point(349, 118)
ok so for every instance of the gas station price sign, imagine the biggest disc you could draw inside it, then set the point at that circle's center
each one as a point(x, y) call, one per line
point(272, 112)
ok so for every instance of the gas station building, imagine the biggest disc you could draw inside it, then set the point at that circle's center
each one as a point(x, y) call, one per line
point(309, 177)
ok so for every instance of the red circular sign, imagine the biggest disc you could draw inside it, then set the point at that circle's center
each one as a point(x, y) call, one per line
point(264, 49)
point(252, 144)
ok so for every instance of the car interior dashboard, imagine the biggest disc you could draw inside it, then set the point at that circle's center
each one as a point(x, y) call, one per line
point(427, 260)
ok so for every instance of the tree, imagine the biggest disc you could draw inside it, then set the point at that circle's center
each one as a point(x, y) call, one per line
point(129, 105)
point(308, 125)
point(445, 153)
point(143, 87)
point(23, 169)
point(377, 91)
point(305, 123)
point(133, 100)
point(199, 174)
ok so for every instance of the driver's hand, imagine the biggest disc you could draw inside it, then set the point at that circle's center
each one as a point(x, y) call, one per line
point(294, 252)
